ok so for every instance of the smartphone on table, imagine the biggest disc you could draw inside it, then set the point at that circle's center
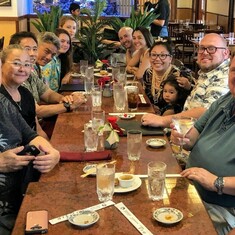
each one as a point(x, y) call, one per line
point(36, 222)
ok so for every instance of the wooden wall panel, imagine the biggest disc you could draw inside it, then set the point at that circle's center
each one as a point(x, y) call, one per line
point(223, 21)
point(7, 29)
point(211, 19)
point(23, 25)
point(184, 13)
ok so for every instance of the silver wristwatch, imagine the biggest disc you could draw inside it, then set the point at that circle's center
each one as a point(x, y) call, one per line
point(219, 184)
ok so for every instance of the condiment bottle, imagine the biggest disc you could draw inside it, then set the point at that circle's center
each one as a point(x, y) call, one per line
point(107, 92)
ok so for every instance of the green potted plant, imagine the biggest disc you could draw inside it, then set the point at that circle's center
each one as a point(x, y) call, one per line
point(135, 20)
point(48, 21)
point(91, 32)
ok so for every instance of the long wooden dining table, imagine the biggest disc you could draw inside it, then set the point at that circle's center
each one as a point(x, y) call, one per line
point(63, 191)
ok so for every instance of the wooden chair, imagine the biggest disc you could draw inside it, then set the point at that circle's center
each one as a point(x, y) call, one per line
point(178, 63)
point(1, 43)
point(185, 51)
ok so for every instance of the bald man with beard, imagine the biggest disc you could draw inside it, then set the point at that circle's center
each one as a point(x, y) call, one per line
point(125, 37)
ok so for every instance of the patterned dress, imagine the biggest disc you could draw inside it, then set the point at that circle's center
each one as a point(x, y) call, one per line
point(155, 95)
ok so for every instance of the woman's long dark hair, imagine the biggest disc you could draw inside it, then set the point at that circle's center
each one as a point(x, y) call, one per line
point(147, 35)
point(65, 58)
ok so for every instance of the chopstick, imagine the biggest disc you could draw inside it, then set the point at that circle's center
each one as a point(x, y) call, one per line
point(138, 113)
point(167, 176)
point(93, 170)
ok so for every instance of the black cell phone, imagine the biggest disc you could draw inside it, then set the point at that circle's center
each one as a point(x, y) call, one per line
point(29, 150)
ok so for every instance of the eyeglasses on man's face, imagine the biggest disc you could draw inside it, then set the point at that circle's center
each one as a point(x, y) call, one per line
point(33, 49)
point(18, 64)
point(154, 56)
point(210, 49)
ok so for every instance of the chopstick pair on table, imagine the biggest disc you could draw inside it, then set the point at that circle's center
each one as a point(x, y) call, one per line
point(137, 113)
point(93, 170)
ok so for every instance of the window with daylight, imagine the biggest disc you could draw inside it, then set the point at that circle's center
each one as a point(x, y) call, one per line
point(113, 8)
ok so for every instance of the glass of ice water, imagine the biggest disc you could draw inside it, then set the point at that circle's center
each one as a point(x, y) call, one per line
point(88, 84)
point(97, 119)
point(90, 138)
point(156, 180)
point(105, 174)
point(96, 97)
point(83, 67)
point(119, 96)
point(134, 142)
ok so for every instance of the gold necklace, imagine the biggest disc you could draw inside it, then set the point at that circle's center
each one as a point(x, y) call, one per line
point(157, 80)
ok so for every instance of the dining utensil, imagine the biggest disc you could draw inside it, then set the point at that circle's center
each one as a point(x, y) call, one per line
point(168, 215)
point(135, 185)
point(155, 142)
point(135, 113)
point(167, 176)
point(93, 170)
point(126, 116)
point(84, 218)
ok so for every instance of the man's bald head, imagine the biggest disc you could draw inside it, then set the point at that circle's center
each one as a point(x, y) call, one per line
point(125, 37)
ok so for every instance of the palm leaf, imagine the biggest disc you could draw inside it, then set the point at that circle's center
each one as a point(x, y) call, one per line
point(48, 21)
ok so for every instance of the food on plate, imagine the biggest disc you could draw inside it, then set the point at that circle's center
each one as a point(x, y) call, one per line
point(103, 72)
point(116, 182)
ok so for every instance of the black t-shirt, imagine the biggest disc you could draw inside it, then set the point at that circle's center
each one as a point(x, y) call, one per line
point(26, 106)
point(162, 9)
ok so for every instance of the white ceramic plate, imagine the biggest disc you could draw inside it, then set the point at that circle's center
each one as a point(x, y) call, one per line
point(100, 75)
point(84, 218)
point(155, 143)
point(168, 215)
point(129, 75)
point(136, 184)
point(88, 167)
point(126, 116)
point(75, 74)
point(96, 70)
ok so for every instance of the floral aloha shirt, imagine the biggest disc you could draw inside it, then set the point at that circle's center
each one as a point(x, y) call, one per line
point(209, 87)
point(51, 73)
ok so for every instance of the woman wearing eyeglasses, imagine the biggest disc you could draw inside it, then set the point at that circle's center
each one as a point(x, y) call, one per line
point(17, 170)
point(16, 68)
point(160, 55)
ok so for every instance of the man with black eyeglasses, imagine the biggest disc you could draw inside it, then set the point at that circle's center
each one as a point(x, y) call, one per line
point(48, 102)
point(212, 83)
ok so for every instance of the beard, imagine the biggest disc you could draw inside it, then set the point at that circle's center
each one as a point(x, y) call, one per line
point(208, 68)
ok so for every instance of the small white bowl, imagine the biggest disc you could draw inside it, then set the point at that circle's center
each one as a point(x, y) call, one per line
point(155, 143)
point(84, 218)
point(126, 180)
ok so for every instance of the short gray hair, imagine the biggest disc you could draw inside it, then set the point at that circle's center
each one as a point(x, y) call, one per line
point(7, 50)
point(49, 37)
